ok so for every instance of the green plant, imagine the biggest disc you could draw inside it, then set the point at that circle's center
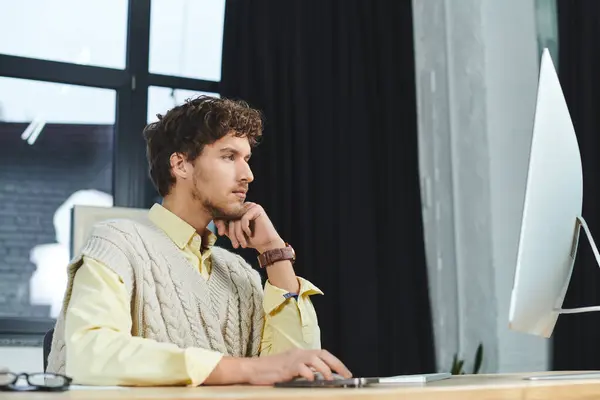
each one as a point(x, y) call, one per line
point(457, 365)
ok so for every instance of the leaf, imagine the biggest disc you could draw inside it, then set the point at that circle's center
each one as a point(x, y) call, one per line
point(457, 366)
point(478, 359)
point(460, 367)
point(454, 370)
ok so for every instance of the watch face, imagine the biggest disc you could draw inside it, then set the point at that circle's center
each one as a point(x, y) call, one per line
point(292, 249)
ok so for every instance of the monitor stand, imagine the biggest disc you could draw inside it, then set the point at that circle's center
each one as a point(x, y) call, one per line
point(580, 223)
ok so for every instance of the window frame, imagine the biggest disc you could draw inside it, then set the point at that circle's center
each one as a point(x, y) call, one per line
point(131, 185)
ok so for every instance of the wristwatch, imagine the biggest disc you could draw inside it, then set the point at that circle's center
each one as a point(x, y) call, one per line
point(272, 256)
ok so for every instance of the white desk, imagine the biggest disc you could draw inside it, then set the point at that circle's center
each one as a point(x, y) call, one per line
point(488, 387)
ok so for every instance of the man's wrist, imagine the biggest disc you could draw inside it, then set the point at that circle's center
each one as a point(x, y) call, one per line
point(281, 273)
point(275, 244)
point(246, 369)
point(231, 371)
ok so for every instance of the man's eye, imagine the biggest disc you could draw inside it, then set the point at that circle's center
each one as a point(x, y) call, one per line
point(230, 157)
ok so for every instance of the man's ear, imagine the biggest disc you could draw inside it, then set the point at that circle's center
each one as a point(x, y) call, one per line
point(180, 166)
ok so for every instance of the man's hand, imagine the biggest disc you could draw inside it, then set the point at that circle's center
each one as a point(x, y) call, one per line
point(254, 229)
point(277, 368)
point(294, 363)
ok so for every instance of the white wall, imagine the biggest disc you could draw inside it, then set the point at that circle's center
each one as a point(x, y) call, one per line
point(476, 66)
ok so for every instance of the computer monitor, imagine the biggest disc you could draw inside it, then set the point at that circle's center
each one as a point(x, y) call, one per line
point(552, 219)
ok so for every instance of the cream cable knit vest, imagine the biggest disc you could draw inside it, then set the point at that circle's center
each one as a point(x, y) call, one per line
point(171, 301)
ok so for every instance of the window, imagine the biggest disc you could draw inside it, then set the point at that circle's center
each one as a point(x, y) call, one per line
point(71, 122)
point(55, 151)
point(186, 37)
point(72, 31)
point(161, 99)
point(26, 100)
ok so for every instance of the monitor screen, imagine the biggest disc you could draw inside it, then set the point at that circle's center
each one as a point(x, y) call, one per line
point(552, 208)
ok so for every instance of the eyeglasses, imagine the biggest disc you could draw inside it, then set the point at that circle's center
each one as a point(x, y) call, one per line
point(40, 382)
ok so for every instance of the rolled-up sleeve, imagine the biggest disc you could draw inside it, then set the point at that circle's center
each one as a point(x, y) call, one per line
point(290, 322)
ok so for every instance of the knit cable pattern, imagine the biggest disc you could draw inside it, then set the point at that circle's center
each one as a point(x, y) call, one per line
point(171, 301)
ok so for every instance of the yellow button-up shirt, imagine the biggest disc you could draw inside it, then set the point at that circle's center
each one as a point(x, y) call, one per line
point(101, 350)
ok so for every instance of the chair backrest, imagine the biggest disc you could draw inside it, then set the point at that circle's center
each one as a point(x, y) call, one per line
point(47, 346)
point(84, 218)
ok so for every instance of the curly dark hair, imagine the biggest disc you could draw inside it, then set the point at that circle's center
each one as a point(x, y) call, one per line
point(187, 128)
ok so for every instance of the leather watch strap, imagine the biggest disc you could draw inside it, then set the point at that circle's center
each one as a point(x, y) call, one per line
point(270, 257)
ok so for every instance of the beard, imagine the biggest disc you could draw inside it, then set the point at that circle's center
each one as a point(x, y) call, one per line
point(217, 212)
point(221, 213)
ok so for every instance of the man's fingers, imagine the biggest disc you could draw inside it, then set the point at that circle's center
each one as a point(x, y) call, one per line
point(239, 230)
point(319, 365)
point(335, 364)
point(219, 225)
point(239, 233)
point(223, 228)
point(254, 212)
point(245, 223)
point(232, 235)
point(306, 372)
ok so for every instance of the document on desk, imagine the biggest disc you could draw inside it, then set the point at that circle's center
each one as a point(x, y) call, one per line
point(423, 378)
point(84, 387)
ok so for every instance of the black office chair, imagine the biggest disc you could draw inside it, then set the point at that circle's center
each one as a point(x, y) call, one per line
point(47, 346)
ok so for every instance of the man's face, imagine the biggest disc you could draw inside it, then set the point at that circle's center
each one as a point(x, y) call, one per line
point(221, 176)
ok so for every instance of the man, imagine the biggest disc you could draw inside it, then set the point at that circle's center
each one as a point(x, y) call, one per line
point(156, 303)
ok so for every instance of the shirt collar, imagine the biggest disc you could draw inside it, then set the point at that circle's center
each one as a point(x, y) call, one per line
point(179, 231)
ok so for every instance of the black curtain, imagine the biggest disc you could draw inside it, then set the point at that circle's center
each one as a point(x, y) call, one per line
point(337, 170)
point(576, 341)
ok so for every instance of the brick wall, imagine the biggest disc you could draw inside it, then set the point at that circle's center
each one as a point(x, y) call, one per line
point(34, 181)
